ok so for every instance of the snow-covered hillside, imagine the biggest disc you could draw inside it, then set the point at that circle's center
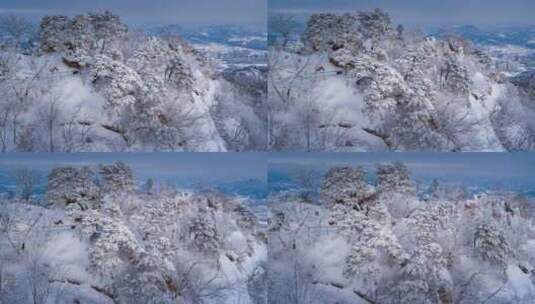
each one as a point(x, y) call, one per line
point(231, 47)
point(233, 57)
point(93, 85)
point(97, 238)
point(381, 242)
point(512, 47)
point(356, 82)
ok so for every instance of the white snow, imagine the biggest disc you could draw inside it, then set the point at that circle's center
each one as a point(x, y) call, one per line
point(65, 252)
point(520, 283)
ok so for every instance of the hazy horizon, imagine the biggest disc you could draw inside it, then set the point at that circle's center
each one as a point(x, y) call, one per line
point(198, 167)
point(506, 171)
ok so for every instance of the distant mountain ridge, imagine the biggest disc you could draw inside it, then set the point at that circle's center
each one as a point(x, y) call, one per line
point(523, 36)
point(251, 188)
point(513, 47)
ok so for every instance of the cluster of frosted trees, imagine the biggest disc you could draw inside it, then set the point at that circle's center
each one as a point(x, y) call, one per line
point(97, 238)
point(89, 83)
point(388, 242)
point(352, 82)
point(356, 82)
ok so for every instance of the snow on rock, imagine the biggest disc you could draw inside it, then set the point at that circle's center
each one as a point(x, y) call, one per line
point(520, 283)
point(65, 251)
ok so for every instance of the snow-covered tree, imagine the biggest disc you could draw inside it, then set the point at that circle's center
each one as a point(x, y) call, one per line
point(73, 188)
point(82, 35)
point(394, 177)
point(107, 87)
point(204, 234)
point(373, 247)
point(447, 249)
point(118, 82)
point(455, 77)
point(107, 30)
point(329, 32)
point(117, 177)
point(179, 74)
point(346, 186)
point(53, 32)
point(491, 245)
point(411, 92)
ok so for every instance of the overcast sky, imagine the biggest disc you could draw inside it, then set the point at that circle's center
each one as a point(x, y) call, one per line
point(425, 13)
point(199, 168)
point(250, 13)
point(502, 170)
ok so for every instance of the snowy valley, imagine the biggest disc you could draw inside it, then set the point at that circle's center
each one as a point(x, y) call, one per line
point(232, 47)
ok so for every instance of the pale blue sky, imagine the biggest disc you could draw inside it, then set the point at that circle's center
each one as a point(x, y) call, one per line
point(250, 13)
point(202, 168)
point(425, 12)
point(502, 170)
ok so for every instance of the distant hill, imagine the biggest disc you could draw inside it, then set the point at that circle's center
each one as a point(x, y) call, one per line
point(519, 36)
point(512, 47)
point(251, 188)
point(225, 34)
